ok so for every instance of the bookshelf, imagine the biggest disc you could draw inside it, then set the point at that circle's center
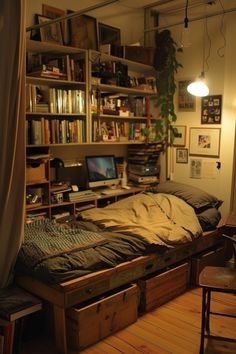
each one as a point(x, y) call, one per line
point(70, 107)
point(118, 103)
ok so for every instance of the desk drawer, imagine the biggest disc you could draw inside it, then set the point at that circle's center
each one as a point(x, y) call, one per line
point(92, 322)
point(158, 289)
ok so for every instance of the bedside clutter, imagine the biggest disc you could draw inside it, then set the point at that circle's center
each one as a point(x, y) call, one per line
point(15, 304)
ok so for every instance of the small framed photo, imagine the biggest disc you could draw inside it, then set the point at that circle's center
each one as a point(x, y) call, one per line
point(204, 142)
point(108, 34)
point(83, 32)
point(186, 101)
point(179, 135)
point(211, 109)
point(49, 33)
point(181, 155)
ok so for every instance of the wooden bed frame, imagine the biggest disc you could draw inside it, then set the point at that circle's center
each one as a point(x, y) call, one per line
point(67, 294)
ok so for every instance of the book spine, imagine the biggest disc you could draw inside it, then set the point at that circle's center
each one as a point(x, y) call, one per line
point(8, 338)
point(16, 347)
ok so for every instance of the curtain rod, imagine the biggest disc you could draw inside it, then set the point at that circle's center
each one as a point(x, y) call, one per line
point(192, 20)
point(73, 14)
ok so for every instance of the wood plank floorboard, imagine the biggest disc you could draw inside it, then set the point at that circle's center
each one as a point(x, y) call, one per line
point(173, 328)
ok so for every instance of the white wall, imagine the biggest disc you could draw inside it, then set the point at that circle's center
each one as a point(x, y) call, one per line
point(221, 78)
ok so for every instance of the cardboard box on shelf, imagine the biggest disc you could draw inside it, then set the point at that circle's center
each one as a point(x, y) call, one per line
point(35, 173)
point(144, 55)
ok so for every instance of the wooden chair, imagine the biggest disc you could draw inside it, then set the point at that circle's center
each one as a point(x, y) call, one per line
point(217, 279)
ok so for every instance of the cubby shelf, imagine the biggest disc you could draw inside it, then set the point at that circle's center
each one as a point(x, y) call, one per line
point(46, 117)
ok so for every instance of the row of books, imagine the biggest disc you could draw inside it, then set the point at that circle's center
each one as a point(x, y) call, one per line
point(35, 215)
point(55, 131)
point(57, 67)
point(53, 100)
point(119, 105)
point(15, 304)
point(121, 131)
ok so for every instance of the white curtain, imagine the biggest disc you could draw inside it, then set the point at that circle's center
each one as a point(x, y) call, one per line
point(12, 133)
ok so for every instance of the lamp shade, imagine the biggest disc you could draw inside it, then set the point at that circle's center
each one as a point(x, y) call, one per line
point(198, 88)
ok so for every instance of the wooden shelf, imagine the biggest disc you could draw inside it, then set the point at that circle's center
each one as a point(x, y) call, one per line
point(37, 80)
point(45, 47)
point(87, 119)
point(125, 90)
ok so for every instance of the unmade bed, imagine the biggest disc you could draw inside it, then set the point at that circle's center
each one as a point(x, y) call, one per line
point(106, 248)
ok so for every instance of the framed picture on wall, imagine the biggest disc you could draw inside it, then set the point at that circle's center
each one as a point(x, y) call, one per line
point(204, 142)
point(211, 109)
point(179, 135)
point(186, 101)
point(181, 155)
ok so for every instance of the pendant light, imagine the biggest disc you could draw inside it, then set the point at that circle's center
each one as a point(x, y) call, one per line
point(199, 87)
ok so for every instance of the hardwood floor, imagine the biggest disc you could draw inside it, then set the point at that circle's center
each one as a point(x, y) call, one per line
point(172, 328)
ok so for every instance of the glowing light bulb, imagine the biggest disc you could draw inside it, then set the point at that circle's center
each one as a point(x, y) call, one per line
point(198, 88)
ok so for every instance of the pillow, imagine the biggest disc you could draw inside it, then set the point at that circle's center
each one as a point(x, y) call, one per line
point(209, 219)
point(196, 197)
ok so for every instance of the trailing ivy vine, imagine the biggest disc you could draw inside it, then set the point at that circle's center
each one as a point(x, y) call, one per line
point(166, 66)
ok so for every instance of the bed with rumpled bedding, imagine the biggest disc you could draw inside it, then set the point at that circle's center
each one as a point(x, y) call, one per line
point(105, 237)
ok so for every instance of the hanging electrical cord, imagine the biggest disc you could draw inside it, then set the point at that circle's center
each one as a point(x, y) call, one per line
point(206, 57)
point(186, 15)
point(199, 87)
point(186, 33)
point(221, 55)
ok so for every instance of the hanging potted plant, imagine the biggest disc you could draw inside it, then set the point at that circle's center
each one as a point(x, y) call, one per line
point(166, 66)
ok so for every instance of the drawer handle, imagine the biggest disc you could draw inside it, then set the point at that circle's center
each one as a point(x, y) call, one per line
point(89, 291)
point(167, 259)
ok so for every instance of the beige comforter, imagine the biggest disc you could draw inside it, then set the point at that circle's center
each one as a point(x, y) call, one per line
point(161, 219)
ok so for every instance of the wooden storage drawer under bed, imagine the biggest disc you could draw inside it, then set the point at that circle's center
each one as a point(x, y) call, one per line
point(91, 322)
point(162, 287)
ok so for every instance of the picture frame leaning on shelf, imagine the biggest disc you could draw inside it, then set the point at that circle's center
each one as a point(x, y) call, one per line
point(83, 32)
point(53, 12)
point(51, 33)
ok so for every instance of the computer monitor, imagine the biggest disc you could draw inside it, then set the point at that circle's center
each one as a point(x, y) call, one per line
point(101, 171)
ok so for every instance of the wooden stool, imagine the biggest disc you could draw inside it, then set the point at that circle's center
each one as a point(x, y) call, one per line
point(218, 279)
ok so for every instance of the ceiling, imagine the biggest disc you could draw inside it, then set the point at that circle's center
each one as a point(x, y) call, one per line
point(171, 11)
point(170, 7)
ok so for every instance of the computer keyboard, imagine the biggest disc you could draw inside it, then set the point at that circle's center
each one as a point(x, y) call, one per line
point(110, 191)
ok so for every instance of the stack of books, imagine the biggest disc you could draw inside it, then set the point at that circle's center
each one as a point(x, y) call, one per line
point(82, 195)
point(143, 163)
point(48, 71)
